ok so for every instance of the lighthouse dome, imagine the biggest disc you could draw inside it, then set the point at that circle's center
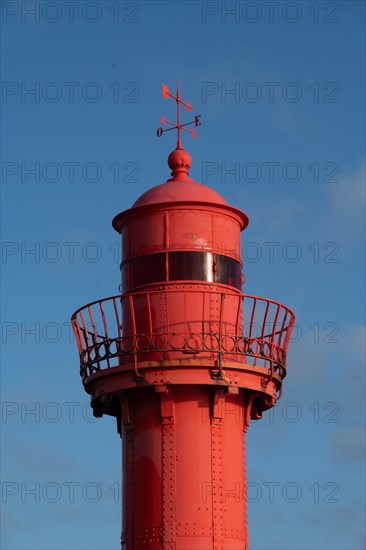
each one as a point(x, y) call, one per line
point(180, 191)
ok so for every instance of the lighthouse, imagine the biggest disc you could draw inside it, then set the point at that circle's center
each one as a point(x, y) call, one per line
point(184, 360)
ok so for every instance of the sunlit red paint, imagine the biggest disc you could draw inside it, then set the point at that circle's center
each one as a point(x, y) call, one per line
point(183, 359)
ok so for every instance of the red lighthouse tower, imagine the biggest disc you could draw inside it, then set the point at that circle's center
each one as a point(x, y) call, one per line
point(184, 360)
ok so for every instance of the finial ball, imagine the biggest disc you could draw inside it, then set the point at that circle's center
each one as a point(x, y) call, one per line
point(179, 159)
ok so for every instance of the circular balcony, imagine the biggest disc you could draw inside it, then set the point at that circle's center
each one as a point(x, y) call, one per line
point(132, 330)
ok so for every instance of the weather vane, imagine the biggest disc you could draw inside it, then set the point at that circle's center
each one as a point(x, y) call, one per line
point(177, 126)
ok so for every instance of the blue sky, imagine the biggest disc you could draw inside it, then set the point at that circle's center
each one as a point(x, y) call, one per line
point(82, 147)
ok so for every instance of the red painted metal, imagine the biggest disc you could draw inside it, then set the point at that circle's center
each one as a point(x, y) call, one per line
point(184, 360)
point(226, 338)
point(177, 125)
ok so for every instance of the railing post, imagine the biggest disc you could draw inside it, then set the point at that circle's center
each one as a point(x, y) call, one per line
point(134, 336)
point(223, 296)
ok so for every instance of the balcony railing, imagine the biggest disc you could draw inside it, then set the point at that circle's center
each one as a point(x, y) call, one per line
point(167, 324)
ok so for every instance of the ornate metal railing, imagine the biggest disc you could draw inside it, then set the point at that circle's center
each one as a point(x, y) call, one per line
point(128, 329)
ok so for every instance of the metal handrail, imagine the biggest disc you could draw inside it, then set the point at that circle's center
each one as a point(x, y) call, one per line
point(100, 343)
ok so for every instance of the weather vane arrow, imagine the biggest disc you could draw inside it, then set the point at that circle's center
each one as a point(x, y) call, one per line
point(177, 125)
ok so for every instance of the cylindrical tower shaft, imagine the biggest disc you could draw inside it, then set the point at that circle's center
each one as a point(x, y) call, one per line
point(184, 468)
